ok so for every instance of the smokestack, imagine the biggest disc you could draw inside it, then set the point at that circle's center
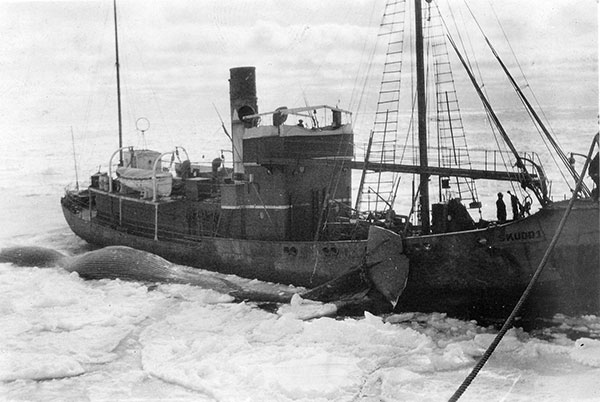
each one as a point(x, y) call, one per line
point(243, 102)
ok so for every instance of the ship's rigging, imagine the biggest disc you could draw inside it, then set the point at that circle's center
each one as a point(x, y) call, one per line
point(448, 156)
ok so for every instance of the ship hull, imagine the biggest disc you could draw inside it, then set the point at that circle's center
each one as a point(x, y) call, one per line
point(482, 273)
point(472, 274)
point(307, 264)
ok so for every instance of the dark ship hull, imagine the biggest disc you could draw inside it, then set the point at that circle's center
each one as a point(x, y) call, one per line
point(482, 273)
point(474, 274)
point(302, 263)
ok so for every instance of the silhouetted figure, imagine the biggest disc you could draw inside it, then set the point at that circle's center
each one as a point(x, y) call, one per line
point(516, 206)
point(184, 170)
point(216, 164)
point(300, 123)
point(500, 209)
point(526, 207)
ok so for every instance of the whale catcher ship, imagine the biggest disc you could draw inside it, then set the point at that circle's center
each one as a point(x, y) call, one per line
point(284, 212)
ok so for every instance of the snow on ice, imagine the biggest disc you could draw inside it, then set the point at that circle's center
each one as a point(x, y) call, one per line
point(68, 339)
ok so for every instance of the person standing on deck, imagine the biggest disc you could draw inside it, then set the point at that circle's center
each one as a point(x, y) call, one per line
point(516, 206)
point(500, 209)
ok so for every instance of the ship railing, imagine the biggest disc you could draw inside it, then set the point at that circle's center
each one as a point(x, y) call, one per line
point(78, 201)
point(155, 166)
point(205, 168)
point(317, 117)
point(153, 231)
point(154, 181)
point(199, 169)
point(156, 162)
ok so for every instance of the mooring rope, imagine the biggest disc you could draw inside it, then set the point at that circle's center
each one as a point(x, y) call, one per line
point(509, 321)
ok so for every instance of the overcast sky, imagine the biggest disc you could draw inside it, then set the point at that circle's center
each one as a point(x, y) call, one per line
point(57, 64)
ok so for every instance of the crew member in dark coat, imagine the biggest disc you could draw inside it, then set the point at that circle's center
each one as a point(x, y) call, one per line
point(500, 209)
point(516, 206)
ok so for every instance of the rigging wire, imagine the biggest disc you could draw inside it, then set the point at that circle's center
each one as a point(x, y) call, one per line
point(528, 86)
point(471, 187)
point(93, 86)
point(371, 63)
point(429, 60)
point(331, 191)
point(342, 16)
point(385, 123)
point(538, 124)
point(501, 146)
point(481, 86)
point(412, 128)
point(397, 177)
point(470, 184)
point(360, 65)
point(154, 97)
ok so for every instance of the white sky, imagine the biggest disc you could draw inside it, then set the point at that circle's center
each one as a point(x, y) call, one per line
point(58, 68)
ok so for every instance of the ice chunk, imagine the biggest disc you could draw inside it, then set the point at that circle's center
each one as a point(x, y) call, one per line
point(398, 318)
point(318, 375)
point(307, 309)
point(188, 292)
point(509, 342)
point(37, 366)
point(587, 351)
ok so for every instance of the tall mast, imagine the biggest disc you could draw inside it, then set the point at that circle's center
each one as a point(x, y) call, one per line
point(118, 85)
point(422, 113)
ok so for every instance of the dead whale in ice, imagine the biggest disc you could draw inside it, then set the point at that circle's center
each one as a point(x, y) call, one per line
point(126, 263)
point(120, 262)
point(349, 294)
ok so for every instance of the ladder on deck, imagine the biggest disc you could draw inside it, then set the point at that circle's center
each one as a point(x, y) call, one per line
point(452, 142)
point(377, 189)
